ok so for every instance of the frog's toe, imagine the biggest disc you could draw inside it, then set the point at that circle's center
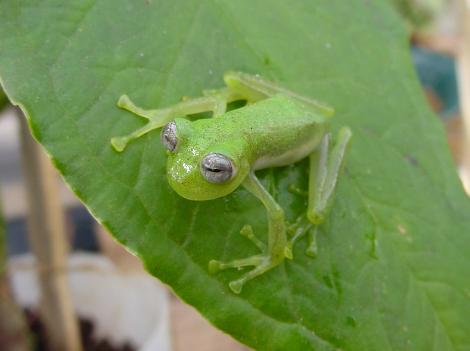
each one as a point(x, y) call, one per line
point(215, 266)
point(119, 143)
point(236, 286)
point(288, 251)
point(124, 101)
point(247, 232)
point(312, 250)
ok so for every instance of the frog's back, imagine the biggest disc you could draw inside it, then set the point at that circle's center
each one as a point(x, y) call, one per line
point(279, 130)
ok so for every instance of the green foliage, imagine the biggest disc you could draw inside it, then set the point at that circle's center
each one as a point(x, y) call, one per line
point(3, 99)
point(393, 263)
point(418, 13)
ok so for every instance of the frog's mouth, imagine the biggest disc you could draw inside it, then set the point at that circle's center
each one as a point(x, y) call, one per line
point(187, 181)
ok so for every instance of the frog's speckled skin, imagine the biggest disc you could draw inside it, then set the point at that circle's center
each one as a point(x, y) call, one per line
point(274, 132)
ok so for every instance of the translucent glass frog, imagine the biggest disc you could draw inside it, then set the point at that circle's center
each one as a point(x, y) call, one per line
point(211, 157)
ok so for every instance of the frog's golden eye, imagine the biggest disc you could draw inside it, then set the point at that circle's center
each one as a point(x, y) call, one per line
point(217, 168)
point(168, 136)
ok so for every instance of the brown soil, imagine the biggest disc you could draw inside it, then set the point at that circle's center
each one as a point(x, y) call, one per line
point(89, 341)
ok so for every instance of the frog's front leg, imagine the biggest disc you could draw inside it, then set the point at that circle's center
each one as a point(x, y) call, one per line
point(276, 249)
point(155, 118)
point(215, 102)
point(325, 166)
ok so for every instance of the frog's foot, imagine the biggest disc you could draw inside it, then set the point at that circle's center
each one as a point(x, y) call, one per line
point(262, 262)
point(301, 227)
point(156, 119)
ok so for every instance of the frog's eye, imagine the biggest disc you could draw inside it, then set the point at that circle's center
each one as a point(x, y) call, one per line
point(217, 168)
point(168, 136)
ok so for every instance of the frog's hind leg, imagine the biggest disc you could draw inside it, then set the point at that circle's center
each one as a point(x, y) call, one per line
point(215, 103)
point(325, 166)
point(254, 88)
point(276, 249)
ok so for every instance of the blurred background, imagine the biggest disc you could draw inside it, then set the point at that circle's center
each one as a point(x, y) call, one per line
point(85, 273)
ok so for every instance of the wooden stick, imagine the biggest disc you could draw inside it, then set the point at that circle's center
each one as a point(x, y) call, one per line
point(463, 61)
point(13, 329)
point(49, 245)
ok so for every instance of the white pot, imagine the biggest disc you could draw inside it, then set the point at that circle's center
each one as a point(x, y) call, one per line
point(124, 307)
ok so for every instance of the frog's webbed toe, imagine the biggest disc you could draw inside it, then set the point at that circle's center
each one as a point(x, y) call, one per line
point(301, 227)
point(262, 262)
point(246, 231)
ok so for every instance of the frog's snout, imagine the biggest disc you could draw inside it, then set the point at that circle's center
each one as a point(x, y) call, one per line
point(187, 181)
point(180, 175)
point(179, 171)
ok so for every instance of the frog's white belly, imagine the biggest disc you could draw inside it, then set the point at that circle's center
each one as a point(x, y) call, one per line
point(289, 157)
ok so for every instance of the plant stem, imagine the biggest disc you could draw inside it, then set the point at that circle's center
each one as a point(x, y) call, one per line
point(13, 330)
point(464, 82)
point(48, 243)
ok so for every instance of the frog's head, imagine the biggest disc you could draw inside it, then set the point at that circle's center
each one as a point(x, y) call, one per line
point(196, 168)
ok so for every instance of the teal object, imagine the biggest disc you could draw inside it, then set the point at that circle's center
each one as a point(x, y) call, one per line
point(437, 73)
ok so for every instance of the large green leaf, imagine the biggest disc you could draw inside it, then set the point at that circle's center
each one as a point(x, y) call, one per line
point(393, 267)
point(3, 99)
point(419, 14)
